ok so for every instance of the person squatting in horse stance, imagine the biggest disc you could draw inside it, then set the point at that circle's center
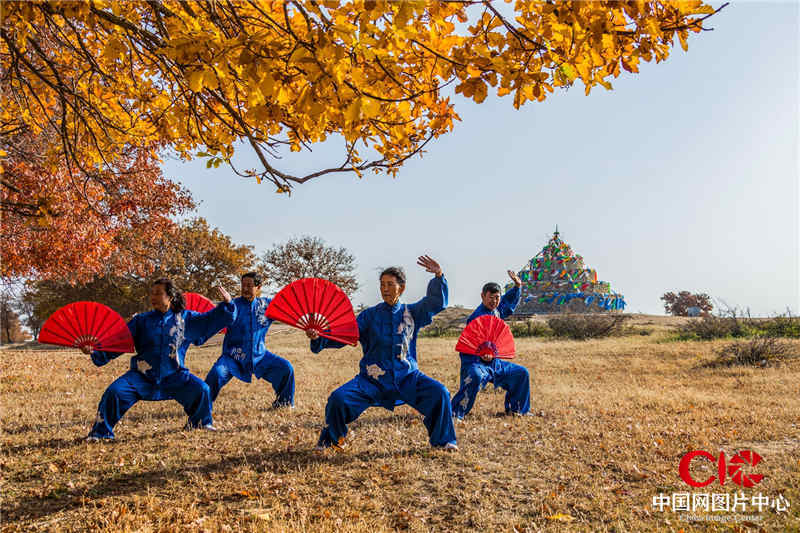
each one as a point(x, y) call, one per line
point(244, 350)
point(158, 372)
point(478, 371)
point(389, 374)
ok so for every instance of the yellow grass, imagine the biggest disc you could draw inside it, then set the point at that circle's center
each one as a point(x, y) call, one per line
point(614, 417)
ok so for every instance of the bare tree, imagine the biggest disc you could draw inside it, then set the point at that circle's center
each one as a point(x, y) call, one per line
point(308, 257)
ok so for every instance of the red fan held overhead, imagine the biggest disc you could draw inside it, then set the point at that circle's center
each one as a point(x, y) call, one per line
point(487, 335)
point(314, 304)
point(201, 304)
point(91, 324)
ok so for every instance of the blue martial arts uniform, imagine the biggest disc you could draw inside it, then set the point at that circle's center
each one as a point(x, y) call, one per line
point(476, 374)
point(244, 353)
point(157, 370)
point(388, 370)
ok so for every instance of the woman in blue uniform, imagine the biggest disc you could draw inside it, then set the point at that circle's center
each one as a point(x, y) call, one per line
point(161, 337)
point(478, 371)
point(388, 370)
point(244, 352)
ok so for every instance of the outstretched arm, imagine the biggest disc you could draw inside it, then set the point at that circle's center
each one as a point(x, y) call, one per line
point(510, 299)
point(319, 343)
point(435, 299)
point(99, 357)
point(202, 326)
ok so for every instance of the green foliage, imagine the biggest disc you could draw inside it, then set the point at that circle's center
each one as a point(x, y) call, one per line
point(733, 325)
point(781, 326)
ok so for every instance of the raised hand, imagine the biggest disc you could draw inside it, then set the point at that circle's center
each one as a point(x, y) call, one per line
point(515, 278)
point(429, 264)
point(223, 294)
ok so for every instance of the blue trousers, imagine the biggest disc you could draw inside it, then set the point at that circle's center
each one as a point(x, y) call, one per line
point(183, 386)
point(513, 378)
point(276, 370)
point(424, 394)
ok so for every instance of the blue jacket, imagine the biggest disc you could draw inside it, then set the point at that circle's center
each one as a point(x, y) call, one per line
point(244, 342)
point(161, 339)
point(508, 303)
point(388, 335)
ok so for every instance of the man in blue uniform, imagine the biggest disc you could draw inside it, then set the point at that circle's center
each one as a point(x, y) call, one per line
point(244, 352)
point(161, 337)
point(478, 371)
point(388, 370)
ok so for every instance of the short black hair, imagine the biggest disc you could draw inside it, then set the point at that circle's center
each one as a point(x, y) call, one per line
point(398, 273)
point(255, 276)
point(491, 287)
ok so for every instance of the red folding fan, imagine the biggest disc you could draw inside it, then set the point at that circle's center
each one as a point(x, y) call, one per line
point(197, 302)
point(87, 324)
point(318, 305)
point(201, 304)
point(487, 335)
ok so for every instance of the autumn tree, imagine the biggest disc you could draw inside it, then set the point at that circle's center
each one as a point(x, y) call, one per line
point(201, 257)
point(195, 256)
point(678, 304)
point(10, 328)
point(308, 257)
point(60, 224)
point(200, 78)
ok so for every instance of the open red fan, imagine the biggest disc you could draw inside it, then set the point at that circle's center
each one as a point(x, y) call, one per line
point(87, 324)
point(316, 304)
point(201, 304)
point(487, 335)
point(197, 302)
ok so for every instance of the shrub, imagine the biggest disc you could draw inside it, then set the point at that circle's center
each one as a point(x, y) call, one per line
point(713, 327)
point(781, 326)
point(586, 326)
point(443, 328)
point(759, 351)
point(530, 328)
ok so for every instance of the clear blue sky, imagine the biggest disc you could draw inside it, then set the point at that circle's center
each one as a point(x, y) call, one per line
point(684, 177)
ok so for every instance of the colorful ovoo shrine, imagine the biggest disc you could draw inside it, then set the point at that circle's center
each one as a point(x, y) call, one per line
point(556, 280)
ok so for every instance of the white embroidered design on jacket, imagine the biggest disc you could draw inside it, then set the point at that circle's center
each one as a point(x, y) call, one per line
point(467, 380)
point(260, 311)
point(238, 354)
point(375, 372)
point(176, 332)
point(406, 329)
point(465, 402)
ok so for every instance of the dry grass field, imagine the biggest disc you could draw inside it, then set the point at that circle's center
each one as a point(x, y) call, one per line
point(613, 419)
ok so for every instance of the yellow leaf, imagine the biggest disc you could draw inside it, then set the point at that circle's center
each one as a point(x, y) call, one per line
point(196, 81)
point(210, 79)
point(353, 111)
point(561, 517)
point(267, 86)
